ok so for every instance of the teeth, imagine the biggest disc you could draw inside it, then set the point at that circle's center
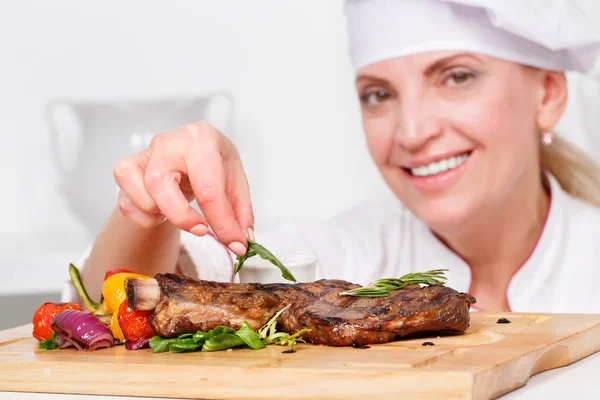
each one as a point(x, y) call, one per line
point(439, 166)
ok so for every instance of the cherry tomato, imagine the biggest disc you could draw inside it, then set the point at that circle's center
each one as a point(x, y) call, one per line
point(115, 271)
point(43, 316)
point(134, 323)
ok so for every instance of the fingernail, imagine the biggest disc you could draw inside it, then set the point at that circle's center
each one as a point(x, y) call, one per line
point(199, 230)
point(251, 234)
point(160, 220)
point(237, 248)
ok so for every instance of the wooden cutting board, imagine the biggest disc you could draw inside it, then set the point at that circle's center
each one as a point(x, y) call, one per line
point(490, 359)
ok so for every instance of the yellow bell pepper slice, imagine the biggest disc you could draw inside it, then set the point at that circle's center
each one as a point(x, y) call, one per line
point(113, 291)
point(115, 328)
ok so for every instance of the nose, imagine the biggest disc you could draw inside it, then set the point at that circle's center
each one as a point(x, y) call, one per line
point(418, 123)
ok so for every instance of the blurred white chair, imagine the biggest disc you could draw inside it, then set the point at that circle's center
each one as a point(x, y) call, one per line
point(89, 137)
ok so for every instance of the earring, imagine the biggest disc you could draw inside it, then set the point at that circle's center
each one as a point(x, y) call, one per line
point(547, 138)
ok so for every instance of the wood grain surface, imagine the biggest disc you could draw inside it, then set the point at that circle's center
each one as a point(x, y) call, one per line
point(488, 360)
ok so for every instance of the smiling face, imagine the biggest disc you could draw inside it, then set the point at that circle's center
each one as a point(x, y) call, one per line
point(454, 135)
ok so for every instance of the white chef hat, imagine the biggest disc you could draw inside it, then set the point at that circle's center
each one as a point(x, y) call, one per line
point(549, 34)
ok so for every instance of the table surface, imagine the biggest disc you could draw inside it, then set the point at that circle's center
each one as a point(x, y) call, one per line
point(556, 383)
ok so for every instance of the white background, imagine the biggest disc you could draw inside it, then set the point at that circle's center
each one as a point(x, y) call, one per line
point(296, 122)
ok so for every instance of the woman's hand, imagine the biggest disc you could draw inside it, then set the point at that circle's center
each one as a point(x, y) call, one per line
point(192, 162)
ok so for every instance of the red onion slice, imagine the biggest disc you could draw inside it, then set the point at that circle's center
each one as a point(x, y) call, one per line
point(63, 342)
point(138, 344)
point(82, 330)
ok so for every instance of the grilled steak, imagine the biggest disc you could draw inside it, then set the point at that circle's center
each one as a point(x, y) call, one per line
point(187, 305)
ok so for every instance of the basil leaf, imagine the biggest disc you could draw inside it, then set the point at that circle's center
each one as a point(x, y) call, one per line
point(222, 342)
point(49, 344)
point(173, 348)
point(251, 338)
point(202, 336)
point(160, 344)
point(219, 330)
point(185, 335)
point(250, 252)
point(186, 342)
point(219, 338)
point(180, 346)
point(257, 249)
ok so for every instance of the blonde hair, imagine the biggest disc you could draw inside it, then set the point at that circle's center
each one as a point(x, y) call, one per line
point(574, 170)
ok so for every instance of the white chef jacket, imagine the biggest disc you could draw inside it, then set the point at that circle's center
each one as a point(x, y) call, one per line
point(382, 239)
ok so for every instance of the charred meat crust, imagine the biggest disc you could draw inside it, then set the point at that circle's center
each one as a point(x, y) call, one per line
point(188, 305)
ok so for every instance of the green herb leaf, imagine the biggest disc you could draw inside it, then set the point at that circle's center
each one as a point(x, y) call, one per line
point(291, 340)
point(222, 342)
point(251, 338)
point(202, 336)
point(250, 252)
point(159, 344)
point(225, 337)
point(269, 329)
point(383, 287)
point(49, 344)
point(269, 335)
point(186, 335)
point(257, 249)
point(181, 345)
point(218, 331)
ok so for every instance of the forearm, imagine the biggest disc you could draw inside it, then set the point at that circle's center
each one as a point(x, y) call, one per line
point(122, 244)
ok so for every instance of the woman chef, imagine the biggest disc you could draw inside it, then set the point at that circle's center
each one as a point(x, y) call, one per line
point(458, 101)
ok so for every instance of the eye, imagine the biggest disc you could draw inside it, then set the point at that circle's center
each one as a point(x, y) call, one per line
point(457, 78)
point(374, 98)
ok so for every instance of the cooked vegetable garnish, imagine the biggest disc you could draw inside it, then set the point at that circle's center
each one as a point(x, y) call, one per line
point(116, 271)
point(115, 328)
point(49, 344)
point(225, 337)
point(76, 279)
point(82, 330)
point(113, 290)
point(134, 324)
point(383, 287)
point(255, 249)
point(43, 317)
point(139, 344)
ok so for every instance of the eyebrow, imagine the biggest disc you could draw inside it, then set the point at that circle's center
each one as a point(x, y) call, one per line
point(430, 70)
point(443, 62)
point(376, 79)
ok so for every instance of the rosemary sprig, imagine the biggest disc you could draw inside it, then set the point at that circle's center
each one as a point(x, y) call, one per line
point(383, 287)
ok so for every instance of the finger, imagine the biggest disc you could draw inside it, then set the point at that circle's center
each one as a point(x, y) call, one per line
point(129, 175)
point(139, 217)
point(162, 178)
point(238, 192)
point(207, 177)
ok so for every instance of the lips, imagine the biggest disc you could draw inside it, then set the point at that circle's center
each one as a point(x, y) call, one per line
point(438, 173)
